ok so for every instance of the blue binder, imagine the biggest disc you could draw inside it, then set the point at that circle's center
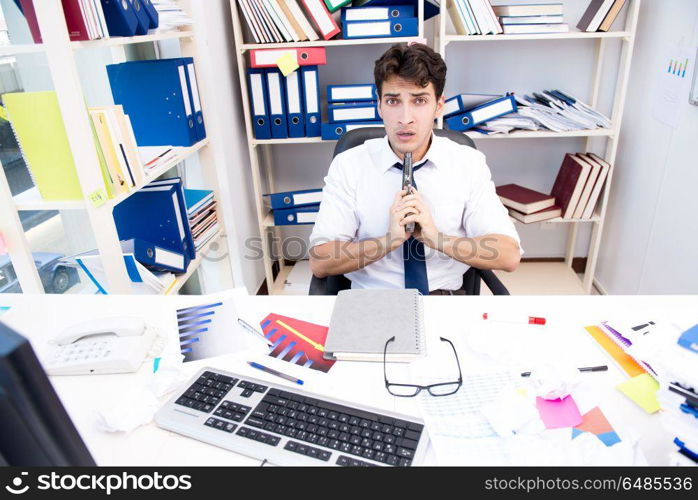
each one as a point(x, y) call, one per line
point(311, 100)
point(294, 101)
point(431, 7)
point(463, 102)
point(156, 257)
point(379, 13)
point(480, 114)
point(344, 93)
point(176, 182)
point(154, 215)
point(155, 96)
point(333, 131)
point(152, 14)
point(121, 18)
point(277, 103)
point(396, 27)
point(259, 103)
point(294, 198)
point(353, 112)
point(142, 16)
point(296, 216)
point(195, 99)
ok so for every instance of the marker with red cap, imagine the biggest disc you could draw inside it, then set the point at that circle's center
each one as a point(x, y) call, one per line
point(514, 318)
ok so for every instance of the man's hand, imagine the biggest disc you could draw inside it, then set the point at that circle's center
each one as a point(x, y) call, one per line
point(425, 229)
point(396, 231)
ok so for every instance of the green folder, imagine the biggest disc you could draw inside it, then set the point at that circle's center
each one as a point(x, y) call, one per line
point(38, 126)
point(333, 5)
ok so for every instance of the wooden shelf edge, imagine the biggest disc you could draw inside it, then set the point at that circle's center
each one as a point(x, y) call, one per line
point(128, 40)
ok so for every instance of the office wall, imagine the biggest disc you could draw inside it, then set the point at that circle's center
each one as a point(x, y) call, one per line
point(650, 242)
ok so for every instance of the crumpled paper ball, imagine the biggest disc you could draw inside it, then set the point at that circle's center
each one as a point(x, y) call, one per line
point(554, 380)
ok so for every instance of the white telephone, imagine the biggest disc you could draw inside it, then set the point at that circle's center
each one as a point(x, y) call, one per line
point(105, 345)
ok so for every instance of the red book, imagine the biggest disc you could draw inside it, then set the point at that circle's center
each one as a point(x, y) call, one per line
point(569, 184)
point(75, 19)
point(307, 56)
point(545, 214)
point(30, 16)
point(321, 17)
point(524, 200)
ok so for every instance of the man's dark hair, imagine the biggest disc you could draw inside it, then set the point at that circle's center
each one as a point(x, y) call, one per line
point(415, 63)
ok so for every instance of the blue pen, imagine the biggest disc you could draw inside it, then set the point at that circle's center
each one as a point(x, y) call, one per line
point(274, 372)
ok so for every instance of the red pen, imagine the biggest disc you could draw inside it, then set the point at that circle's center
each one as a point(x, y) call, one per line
point(514, 318)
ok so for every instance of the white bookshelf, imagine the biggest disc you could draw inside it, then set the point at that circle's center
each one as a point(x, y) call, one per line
point(259, 150)
point(601, 40)
point(62, 63)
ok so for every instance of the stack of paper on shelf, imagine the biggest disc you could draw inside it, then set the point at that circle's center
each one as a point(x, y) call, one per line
point(201, 212)
point(161, 98)
point(143, 280)
point(171, 15)
point(600, 14)
point(527, 205)
point(157, 214)
point(118, 149)
point(431, 7)
point(38, 127)
point(374, 21)
point(531, 18)
point(154, 157)
point(550, 109)
point(285, 102)
point(473, 17)
point(292, 208)
point(350, 107)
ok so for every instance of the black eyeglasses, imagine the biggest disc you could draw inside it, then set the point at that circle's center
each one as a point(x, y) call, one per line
point(411, 390)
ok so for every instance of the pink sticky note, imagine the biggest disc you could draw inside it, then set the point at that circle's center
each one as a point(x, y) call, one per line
point(557, 413)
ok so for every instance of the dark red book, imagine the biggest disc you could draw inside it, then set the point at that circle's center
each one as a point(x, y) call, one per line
point(569, 184)
point(30, 16)
point(545, 214)
point(76, 21)
point(524, 200)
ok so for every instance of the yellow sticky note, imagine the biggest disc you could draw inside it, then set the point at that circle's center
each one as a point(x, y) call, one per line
point(3, 114)
point(287, 63)
point(642, 390)
point(98, 198)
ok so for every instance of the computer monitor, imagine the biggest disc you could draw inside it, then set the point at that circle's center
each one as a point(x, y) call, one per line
point(35, 429)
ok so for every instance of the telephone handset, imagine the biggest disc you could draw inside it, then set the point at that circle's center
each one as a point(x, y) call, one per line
point(100, 346)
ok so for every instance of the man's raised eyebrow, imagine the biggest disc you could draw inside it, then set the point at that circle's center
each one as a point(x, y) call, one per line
point(419, 94)
point(390, 95)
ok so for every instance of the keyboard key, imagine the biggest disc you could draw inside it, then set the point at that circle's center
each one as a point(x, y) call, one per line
point(302, 449)
point(415, 427)
point(405, 452)
point(409, 444)
point(375, 426)
point(404, 462)
point(247, 393)
point(324, 455)
point(313, 452)
point(229, 427)
point(273, 440)
point(392, 460)
point(255, 422)
point(243, 384)
point(368, 454)
point(260, 388)
point(343, 461)
point(291, 445)
point(412, 435)
point(242, 431)
point(380, 457)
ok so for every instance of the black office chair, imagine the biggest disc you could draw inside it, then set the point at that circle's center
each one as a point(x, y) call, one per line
point(332, 285)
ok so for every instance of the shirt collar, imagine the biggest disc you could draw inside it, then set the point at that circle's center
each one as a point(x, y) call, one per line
point(388, 158)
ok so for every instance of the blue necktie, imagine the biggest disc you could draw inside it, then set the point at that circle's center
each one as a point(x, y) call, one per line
point(413, 254)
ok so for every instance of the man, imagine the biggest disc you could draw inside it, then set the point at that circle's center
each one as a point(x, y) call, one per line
point(460, 222)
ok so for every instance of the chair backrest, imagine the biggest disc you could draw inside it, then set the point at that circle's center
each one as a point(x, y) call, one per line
point(358, 136)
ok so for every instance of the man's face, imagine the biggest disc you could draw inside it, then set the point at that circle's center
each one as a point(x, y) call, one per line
point(408, 112)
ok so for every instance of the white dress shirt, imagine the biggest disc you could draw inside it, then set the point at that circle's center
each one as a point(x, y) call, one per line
point(456, 184)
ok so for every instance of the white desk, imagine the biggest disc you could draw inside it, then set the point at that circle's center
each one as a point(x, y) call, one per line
point(458, 318)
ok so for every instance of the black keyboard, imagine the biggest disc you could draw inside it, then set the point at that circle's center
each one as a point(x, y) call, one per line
point(287, 426)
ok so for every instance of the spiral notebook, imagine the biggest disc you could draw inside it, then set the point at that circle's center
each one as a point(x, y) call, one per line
point(363, 320)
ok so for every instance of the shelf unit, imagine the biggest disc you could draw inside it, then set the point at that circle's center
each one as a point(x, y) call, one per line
point(60, 53)
point(259, 150)
point(627, 37)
